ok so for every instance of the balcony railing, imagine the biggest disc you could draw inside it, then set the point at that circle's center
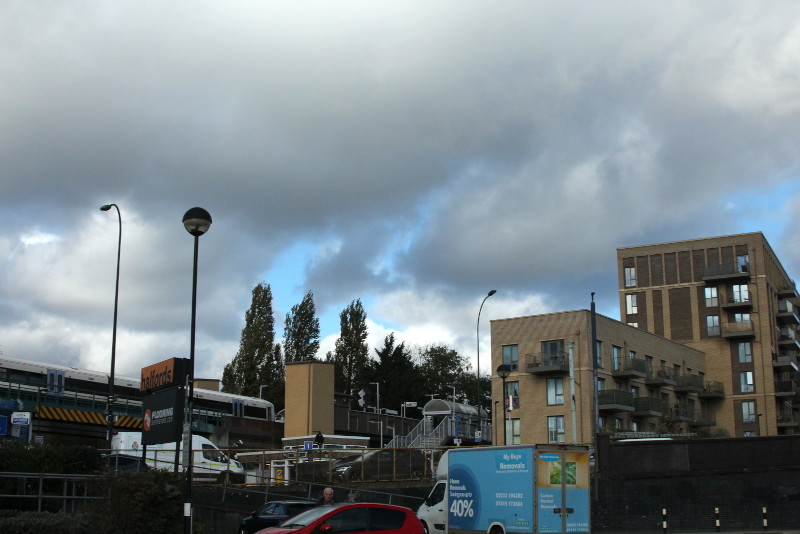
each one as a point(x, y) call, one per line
point(689, 383)
point(548, 362)
point(737, 329)
point(615, 400)
point(647, 406)
point(630, 367)
point(679, 413)
point(726, 270)
point(661, 377)
point(785, 387)
point(713, 390)
point(786, 359)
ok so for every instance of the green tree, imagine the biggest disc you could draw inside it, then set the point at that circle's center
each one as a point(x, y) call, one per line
point(255, 363)
point(351, 354)
point(442, 369)
point(301, 332)
point(397, 374)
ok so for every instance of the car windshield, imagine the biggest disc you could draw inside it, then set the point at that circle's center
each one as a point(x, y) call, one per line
point(306, 518)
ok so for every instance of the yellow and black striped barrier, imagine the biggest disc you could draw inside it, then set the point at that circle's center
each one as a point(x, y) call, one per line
point(84, 417)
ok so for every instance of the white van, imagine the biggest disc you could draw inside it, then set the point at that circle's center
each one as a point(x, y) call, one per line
point(208, 462)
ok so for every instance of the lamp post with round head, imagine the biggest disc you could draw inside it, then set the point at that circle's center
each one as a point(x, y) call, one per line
point(478, 363)
point(197, 221)
point(110, 406)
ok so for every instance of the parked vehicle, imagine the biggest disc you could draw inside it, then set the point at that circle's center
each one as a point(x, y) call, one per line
point(352, 517)
point(208, 462)
point(125, 462)
point(519, 489)
point(272, 514)
point(381, 464)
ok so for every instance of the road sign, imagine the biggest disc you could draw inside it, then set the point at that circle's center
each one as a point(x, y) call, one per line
point(21, 418)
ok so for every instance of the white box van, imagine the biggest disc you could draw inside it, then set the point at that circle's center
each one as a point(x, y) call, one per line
point(208, 462)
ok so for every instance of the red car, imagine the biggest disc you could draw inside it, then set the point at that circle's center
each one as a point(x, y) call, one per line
point(351, 517)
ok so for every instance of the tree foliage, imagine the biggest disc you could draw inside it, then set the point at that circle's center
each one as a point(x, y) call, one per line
point(397, 374)
point(255, 364)
point(351, 354)
point(301, 331)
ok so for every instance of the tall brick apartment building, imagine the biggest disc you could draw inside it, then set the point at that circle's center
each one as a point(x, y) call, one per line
point(708, 344)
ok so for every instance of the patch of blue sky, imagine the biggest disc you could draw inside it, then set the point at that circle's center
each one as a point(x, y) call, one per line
point(760, 209)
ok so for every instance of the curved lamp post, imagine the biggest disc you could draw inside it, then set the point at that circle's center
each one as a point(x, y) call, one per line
point(503, 370)
point(197, 221)
point(478, 337)
point(110, 407)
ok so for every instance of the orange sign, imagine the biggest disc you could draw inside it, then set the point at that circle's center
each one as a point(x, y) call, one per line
point(163, 374)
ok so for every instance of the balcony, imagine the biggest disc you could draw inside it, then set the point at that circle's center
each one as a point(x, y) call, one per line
point(630, 368)
point(728, 271)
point(788, 292)
point(689, 383)
point(713, 390)
point(614, 400)
point(788, 417)
point(786, 359)
point(736, 303)
point(703, 418)
point(788, 338)
point(547, 363)
point(647, 407)
point(661, 377)
point(679, 413)
point(787, 313)
point(785, 388)
point(738, 329)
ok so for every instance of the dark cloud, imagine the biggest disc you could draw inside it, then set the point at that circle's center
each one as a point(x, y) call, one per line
point(425, 153)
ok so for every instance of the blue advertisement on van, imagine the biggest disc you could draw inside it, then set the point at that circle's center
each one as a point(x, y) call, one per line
point(491, 486)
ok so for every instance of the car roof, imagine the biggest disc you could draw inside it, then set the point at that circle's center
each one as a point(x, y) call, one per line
point(362, 504)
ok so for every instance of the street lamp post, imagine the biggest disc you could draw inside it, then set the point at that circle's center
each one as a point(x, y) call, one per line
point(503, 370)
point(110, 407)
point(478, 365)
point(197, 221)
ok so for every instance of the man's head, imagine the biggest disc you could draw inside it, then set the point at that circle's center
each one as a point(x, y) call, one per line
point(327, 495)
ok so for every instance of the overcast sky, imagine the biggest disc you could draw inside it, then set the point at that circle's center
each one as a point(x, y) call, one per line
point(414, 155)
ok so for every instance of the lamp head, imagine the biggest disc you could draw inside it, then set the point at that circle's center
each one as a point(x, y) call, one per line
point(492, 292)
point(197, 221)
point(503, 370)
point(106, 207)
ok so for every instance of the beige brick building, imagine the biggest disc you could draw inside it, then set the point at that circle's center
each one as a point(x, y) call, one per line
point(709, 345)
point(731, 298)
point(551, 367)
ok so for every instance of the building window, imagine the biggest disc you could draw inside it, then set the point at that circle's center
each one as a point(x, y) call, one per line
point(712, 300)
point(555, 429)
point(630, 276)
point(553, 352)
point(512, 395)
point(634, 324)
point(512, 432)
point(743, 263)
point(746, 382)
point(741, 317)
point(740, 293)
point(616, 358)
point(745, 352)
point(749, 412)
point(55, 382)
point(630, 304)
point(601, 384)
point(712, 324)
point(511, 356)
point(555, 391)
point(635, 392)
